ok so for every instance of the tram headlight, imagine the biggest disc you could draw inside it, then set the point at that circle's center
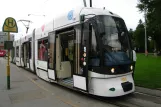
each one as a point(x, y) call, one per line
point(131, 67)
point(112, 70)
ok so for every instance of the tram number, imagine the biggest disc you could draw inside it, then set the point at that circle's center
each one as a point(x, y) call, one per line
point(124, 79)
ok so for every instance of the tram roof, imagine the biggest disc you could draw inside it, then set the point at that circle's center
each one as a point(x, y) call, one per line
point(69, 19)
point(73, 16)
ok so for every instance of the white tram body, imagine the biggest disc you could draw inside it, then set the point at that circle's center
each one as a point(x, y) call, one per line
point(59, 53)
point(13, 55)
point(23, 51)
point(41, 34)
point(31, 37)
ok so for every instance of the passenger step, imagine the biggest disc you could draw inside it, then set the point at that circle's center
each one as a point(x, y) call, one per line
point(67, 81)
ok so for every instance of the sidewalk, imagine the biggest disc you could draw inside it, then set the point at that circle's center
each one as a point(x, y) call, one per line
point(23, 92)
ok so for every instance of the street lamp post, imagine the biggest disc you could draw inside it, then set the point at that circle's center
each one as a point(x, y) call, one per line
point(146, 51)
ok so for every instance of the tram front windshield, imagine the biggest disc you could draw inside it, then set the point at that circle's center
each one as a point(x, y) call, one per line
point(115, 41)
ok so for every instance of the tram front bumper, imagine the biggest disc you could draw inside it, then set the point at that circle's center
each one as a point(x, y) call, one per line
point(112, 87)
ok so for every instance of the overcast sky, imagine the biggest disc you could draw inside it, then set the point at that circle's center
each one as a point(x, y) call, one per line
point(19, 9)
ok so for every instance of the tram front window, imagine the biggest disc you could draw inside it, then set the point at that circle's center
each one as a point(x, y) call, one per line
point(116, 44)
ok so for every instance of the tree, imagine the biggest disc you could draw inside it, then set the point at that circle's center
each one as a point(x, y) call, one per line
point(139, 36)
point(153, 8)
point(131, 34)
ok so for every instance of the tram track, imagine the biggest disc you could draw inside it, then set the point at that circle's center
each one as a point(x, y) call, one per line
point(118, 101)
point(136, 99)
point(147, 94)
point(147, 97)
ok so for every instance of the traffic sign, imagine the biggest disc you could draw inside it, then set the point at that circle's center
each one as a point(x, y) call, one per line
point(8, 44)
point(10, 25)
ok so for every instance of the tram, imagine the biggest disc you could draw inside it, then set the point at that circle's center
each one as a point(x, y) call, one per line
point(87, 49)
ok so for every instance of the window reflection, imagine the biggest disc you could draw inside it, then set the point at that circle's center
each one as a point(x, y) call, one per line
point(42, 50)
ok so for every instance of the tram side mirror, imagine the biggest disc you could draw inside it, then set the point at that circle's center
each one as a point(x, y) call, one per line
point(123, 34)
point(82, 18)
point(101, 29)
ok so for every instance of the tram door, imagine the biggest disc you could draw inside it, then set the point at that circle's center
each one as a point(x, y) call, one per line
point(80, 76)
point(22, 55)
point(25, 54)
point(65, 58)
point(28, 51)
point(51, 56)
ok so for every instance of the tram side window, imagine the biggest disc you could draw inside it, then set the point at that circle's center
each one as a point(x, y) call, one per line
point(17, 51)
point(94, 57)
point(42, 50)
point(30, 50)
point(27, 50)
point(51, 50)
point(94, 48)
point(22, 55)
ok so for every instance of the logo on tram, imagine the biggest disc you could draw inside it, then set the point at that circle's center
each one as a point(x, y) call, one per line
point(42, 28)
point(70, 15)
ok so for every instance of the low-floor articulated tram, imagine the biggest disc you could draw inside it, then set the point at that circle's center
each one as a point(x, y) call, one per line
point(88, 49)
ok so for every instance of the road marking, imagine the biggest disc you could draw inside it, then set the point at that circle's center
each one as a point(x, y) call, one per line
point(40, 86)
point(45, 89)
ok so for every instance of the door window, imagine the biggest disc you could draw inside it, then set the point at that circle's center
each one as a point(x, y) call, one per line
point(51, 50)
point(22, 51)
point(42, 49)
point(17, 51)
